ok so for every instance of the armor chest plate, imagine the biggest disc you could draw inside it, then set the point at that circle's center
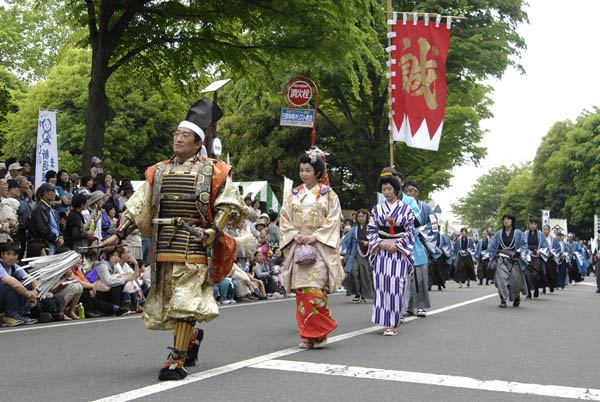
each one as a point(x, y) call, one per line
point(184, 194)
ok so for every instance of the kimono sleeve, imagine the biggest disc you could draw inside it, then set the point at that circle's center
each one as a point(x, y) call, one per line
point(493, 246)
point(287, 230)
point(329, 231)
point(543, 246)
point(139, 209)
point(406, 241)
point(373, 229)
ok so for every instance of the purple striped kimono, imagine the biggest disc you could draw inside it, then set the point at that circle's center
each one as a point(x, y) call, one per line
point(390, 270)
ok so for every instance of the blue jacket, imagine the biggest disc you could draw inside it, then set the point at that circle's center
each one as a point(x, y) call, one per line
point(483, 254)
point(470, 247)
point(349, 246)
point(520, 247)
point(542, 244)
point(426, 230)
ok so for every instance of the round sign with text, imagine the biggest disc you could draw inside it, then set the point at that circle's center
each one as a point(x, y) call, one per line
point(299, 93)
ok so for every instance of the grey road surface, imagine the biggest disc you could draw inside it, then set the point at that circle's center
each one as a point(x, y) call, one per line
point(250, 353)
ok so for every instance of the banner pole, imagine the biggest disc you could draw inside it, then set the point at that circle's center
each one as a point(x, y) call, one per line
point(391, 129)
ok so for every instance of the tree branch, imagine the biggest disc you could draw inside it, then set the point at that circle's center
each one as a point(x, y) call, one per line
point(327, 119)
point(344, 104)
point(92, 22)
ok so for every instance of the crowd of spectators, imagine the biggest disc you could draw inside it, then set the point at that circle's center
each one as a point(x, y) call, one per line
point(73, 212)
point(67, 212)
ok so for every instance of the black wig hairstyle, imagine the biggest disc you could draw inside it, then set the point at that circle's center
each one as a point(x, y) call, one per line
point(364, 212)
point(534, 219)
point(512, 218)
point(318, 164)
point(464, 230)
point(389, 176)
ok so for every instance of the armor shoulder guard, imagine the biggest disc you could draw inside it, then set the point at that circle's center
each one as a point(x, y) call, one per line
point(150, 171)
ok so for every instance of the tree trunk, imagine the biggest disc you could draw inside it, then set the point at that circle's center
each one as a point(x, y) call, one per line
point(97, 111)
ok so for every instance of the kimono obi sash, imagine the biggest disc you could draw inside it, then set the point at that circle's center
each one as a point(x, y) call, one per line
point(384, 232)
point(178, 194)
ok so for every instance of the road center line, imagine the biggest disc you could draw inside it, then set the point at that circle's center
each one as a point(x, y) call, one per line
point(166, 385)
point(556, 391)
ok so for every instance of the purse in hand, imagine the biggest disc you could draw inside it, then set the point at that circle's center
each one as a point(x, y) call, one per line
point(305, 254)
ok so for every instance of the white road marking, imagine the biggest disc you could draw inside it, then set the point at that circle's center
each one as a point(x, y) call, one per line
point(556, 391)
point(166, 385)
point(588, 284)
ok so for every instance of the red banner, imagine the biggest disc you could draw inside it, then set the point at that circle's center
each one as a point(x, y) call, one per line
point(418, 78)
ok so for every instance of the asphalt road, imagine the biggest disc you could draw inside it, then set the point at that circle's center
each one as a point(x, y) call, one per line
point(466, 349)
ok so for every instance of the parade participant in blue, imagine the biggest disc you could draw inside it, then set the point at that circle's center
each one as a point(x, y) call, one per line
point(483, 257)
point(535, 273)
point(356, 251)
point(510, 254)
point(553, 259)
point(184, 205)
point(565, 260)
point(391, 241)
point(419, 287)
point(586, 258)
point(464, 252)
point(439, 266)
point(578, 262)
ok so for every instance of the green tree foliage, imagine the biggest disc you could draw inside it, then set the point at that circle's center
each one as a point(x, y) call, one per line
point(156, 40)
point(139, 126)
point(479, 208)
point(9, 86)
point(352, 118)
point(516, 198)
point(32, 34)
point(566, 172)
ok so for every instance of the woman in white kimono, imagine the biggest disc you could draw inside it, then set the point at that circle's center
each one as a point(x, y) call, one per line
point(310, 216)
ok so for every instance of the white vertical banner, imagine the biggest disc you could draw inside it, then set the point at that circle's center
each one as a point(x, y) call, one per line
point(476, 234)
point(596, 235)
point(288, 185)
point(46, 151)
point(545, 217)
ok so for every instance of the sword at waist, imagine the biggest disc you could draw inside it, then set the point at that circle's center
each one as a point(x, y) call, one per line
point(184, 223)
point(174, 221)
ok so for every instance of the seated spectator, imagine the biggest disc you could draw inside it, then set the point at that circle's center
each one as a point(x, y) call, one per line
point(15, 297)
point(70, 290)
point(227, 288)
point(245, 285)
point(261, 293)
point(263, 273)
point(134, 297)
point(93, 306)
point(112, 283)
point(277, 275)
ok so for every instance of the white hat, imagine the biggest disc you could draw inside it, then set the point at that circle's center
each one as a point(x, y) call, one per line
point(15, 166)
point(2, 165)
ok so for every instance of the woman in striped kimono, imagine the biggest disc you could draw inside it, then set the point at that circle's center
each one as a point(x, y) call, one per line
point(391, 239)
